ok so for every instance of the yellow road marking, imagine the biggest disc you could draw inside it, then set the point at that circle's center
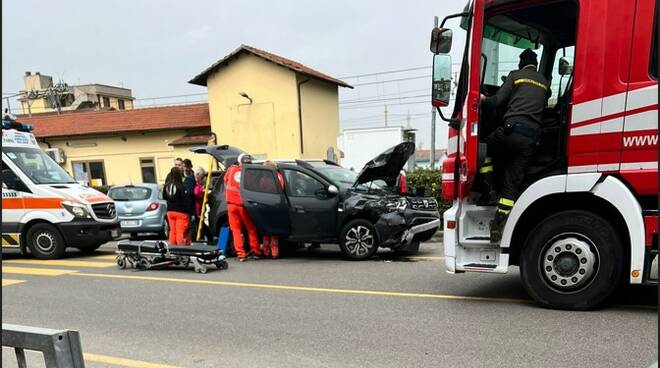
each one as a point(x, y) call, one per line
point(7, 282)
point(36, 271)
point(109, 256)
point(122, 362)
point(308, 289)
point(61, 262)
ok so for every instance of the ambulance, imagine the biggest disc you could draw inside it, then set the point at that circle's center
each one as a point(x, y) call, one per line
point(43, 208)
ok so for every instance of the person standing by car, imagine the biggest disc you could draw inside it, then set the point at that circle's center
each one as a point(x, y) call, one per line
point(238, 216)
point(177, 208)
point(189, 189)
point(271, 243)
point(200, 182)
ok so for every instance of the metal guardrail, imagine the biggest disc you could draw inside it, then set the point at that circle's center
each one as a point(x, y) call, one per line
point(61, 348)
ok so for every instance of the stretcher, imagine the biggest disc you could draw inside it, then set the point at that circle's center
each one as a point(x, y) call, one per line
point(152, 254)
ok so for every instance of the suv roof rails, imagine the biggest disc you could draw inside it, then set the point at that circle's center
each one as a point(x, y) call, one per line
point(304, 164)
point(328, 162)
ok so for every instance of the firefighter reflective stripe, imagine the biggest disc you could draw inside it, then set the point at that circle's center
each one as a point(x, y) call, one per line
point(504, 206)
point(504, 212)
point(530, 81)
point(10, 240)
point(505, 202)
point(488, 166)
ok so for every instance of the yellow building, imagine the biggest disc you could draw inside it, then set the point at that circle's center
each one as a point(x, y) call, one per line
point(123, 147)
point(271, 106)
point(40, 96)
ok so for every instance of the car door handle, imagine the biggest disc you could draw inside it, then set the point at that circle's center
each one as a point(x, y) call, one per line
point(253, 203)
point(299, 209)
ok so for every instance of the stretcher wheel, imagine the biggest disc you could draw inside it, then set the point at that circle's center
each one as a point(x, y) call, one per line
point(200, 269)
point(222, 265)
point(144, 263)
point(121, 262)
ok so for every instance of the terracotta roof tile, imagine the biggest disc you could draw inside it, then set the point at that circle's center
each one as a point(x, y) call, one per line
point(136, 120)
point(200, 79)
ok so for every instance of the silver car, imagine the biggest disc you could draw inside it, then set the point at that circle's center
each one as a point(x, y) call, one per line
point(141, 209)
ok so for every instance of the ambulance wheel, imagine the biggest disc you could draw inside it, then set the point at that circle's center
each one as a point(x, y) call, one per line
point(572, 260)
point(45, 242)
point(358, 240)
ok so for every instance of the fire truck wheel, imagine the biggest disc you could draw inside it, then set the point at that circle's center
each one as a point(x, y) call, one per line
point(358, 240)
point(572, 260)
point(45, 242)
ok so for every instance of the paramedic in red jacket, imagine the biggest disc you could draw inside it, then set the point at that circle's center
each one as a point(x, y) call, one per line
point(238, 216)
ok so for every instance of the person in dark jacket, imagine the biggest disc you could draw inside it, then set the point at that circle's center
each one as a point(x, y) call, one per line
point(178, 205)
point(525, 93)
point(189, 189)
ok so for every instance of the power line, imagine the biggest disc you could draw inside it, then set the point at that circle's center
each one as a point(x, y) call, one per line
point(383, 99)
point(386, 72)
point(391, 80)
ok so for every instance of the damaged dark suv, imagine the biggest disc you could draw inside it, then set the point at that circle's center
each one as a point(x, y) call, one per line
point(323, 202)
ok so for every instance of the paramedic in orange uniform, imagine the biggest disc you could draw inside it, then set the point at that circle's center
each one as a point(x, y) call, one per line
point(238, 216)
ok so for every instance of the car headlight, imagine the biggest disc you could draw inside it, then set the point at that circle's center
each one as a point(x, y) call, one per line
point(399, 204)
point(76, 209)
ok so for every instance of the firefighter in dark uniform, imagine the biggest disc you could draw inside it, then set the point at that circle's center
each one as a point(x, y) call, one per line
point(525, 93)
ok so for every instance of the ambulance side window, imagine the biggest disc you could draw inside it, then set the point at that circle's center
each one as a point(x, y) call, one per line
point(11, 181)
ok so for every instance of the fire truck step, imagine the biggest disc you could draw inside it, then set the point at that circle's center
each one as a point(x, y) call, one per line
point(480, 265)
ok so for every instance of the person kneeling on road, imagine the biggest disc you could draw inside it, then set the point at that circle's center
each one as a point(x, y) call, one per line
point(238, 216)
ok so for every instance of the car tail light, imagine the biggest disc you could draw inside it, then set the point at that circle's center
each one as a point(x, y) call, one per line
point(153, 206)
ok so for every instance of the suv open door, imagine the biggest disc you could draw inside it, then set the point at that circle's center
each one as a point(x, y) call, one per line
point(264, 200)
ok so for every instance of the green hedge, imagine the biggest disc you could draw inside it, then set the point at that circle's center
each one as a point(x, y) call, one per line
point(431, 181)
point(103, 189)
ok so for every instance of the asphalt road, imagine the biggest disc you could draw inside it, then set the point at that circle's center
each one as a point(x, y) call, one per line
point(316, 310)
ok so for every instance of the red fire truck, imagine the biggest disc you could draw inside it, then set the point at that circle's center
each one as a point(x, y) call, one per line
point(586, 218)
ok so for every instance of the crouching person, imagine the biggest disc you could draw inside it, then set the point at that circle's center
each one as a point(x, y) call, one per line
point(238, 215)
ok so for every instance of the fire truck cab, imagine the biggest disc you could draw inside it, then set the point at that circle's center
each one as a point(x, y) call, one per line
point(586, 217)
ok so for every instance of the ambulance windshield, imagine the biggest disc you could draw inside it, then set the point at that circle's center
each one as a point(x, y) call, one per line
point(37, 165)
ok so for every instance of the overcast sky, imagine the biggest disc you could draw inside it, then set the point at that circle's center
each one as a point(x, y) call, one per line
point(155, 46)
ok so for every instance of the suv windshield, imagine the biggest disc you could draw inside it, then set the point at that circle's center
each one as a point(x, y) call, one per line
point(338, 175)
point(37, 166)
point(124, 194)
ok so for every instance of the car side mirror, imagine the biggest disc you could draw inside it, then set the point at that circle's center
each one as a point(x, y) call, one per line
point(333, 190)
point(441, 40)
point(441, 87)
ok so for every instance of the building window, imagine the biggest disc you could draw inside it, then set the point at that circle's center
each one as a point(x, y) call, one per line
point(148, 169)
point(121, 104)
point(91, 173)
point(106, 101)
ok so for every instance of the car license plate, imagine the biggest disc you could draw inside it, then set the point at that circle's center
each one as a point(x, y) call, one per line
point(129, 223)
point(114, 233)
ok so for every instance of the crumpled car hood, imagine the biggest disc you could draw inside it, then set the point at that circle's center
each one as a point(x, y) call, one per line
point(387, 165)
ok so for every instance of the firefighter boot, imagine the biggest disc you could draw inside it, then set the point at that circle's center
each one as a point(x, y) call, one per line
point(486, 184)
point(504, 207)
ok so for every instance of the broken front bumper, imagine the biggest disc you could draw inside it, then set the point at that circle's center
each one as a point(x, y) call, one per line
point(409, 235)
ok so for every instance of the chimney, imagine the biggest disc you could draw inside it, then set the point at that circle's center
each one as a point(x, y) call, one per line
point(28, 73)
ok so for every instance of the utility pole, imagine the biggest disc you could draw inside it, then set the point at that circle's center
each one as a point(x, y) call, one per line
point(432, 150)
point(385, 116)
point(432, 137)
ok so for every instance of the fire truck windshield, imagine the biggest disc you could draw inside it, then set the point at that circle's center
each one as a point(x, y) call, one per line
point(37, 165)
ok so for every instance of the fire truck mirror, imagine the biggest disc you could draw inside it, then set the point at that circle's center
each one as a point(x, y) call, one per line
point(565, 67)
point(440, 40)
point(441, 80)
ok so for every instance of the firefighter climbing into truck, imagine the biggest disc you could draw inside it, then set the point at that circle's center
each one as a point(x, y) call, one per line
point(585, 216)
